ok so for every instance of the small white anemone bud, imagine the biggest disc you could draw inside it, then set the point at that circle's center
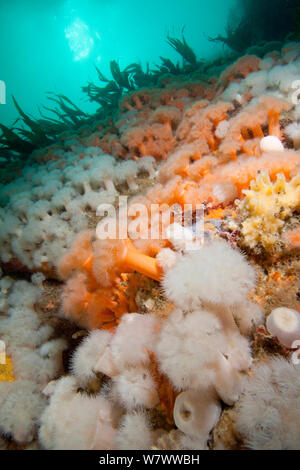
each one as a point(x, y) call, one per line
point(179, 235)
point(284, 323)
point(182, 238)
point(222, 129)
point(271, 144)
point(196, 413)
point(166, 258)
point(225, 192)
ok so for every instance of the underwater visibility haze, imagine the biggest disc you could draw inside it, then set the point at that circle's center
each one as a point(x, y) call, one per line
point(149, 225)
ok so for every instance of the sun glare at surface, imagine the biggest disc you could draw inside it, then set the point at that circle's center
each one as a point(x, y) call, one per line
point(80, 41)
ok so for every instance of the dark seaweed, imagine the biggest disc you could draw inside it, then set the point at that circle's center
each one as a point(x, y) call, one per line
point(261, 21)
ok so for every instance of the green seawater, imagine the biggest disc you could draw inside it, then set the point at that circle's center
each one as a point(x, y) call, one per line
point(55, 45)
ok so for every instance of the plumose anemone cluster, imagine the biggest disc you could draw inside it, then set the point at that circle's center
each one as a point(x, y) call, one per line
point(169, 341)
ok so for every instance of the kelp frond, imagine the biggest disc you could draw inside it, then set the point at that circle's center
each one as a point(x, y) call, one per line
point(182, 47)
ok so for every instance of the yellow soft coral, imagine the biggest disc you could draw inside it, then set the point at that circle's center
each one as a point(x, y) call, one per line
point(6, 371)
point(266, 207)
